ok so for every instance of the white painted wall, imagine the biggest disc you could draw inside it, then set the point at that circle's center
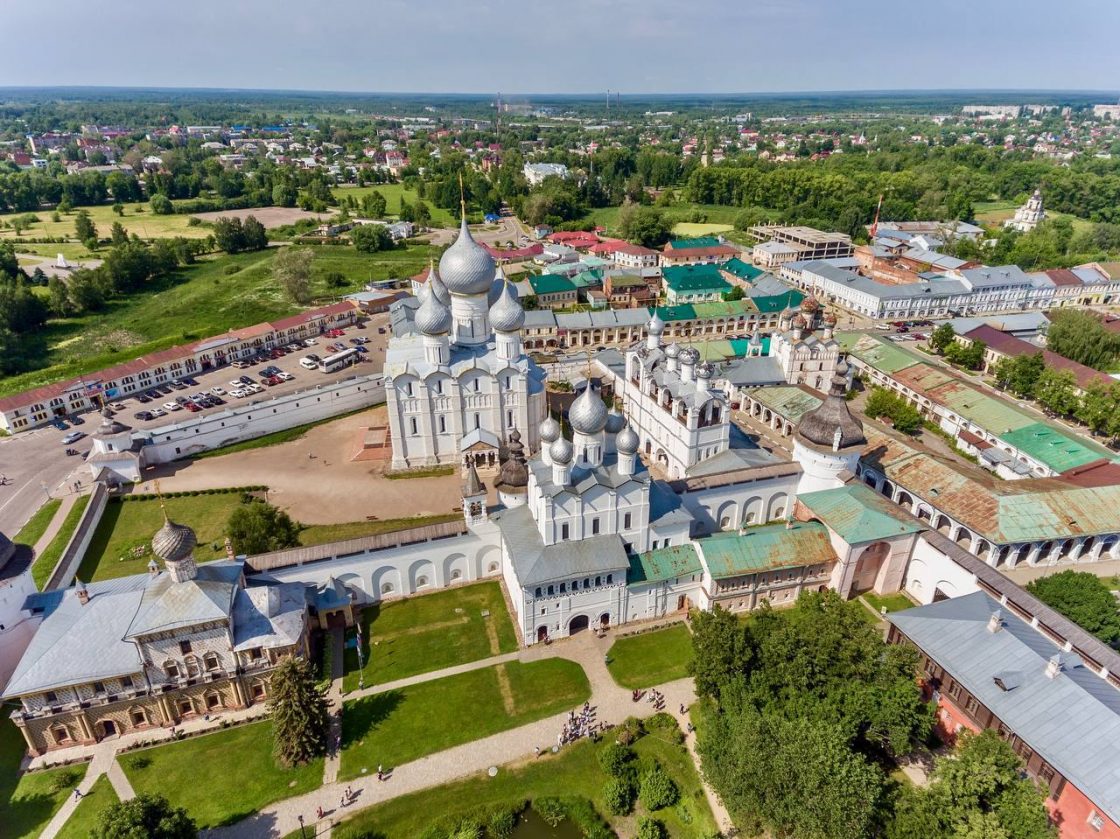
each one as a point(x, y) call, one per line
point(929, 569)
point(255, 420)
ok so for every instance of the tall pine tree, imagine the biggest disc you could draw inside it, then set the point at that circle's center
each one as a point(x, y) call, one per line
point(300, 719)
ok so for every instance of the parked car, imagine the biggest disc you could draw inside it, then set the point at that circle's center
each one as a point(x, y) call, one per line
point(217, 390)
point(142, 415)
point(240, 365)
point(286, 377)
point(75, 419)
point(381, 330)
point(143, 398)
point(158, 412)
point(362, 350)
point(171, 406)
point(310, 342)
point(59, 424)
point(192, 407)
point(73, 437)
point(307, 364)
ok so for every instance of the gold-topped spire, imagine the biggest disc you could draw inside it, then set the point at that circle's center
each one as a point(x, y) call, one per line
point(162, 506)
point(462, 198)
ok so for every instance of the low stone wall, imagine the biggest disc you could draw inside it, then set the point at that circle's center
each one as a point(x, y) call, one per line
point(246, 422)
point(67, 567)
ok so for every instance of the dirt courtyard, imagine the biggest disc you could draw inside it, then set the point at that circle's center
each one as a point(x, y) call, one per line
point(325, 488)
point(270, 217)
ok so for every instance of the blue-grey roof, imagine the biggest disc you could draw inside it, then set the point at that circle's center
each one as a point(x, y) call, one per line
point(931, 288)
point(995, 276)
point(166, 605)
point(1072, 720)
point(537, 563)
point(752, 372)
point(257, 622)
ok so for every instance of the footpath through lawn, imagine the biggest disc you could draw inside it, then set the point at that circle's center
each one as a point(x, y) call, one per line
point(399, 726)
point(575, 771)
point(431, 632)
point(28, 802)
point(221, 777)
point(84, 818)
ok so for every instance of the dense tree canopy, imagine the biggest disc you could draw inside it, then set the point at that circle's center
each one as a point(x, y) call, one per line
point(1084, 599)
point(1078, 334)
point(144, 817)
point(257, 527)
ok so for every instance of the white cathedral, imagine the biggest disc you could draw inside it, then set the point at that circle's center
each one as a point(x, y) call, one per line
point(575, 510)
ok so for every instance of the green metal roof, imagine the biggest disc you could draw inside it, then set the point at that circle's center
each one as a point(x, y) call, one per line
point(724, 308)
point(883, 355)
point(550, 284)
point(587, 278)
point(742, 270)
point(778, 302)
point(858, 514)
point(767, 548)
point(715, 350)
point(685, 311)
point(695, 278)
point(694, 242)
point(1057, 450)
point(663, 564)
point(788, 400)
point(997, 416)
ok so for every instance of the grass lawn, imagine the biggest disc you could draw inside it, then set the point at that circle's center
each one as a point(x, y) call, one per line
point(130, 524)
point(399, 726)
point(321, 534)
point(37, 525)
point(222, 777)
point(393, 194)
point(84, 818)
point(893, 602)
point(45, 562)
point(218, 293)
point(27, 802)
point(679, 215)
point(997, 212)
point(137, 218)
point(687, 228)
point(421, 634)
point(652, 658)
point(575, 771)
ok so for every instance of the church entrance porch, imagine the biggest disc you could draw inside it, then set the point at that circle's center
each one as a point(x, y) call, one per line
point(578, 624)
point(542, 634)
point(605, 620)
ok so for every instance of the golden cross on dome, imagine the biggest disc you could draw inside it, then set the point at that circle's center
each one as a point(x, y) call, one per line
point(462, 197)
point(162, 506)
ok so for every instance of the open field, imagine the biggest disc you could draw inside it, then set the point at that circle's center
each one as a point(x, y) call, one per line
point(132, 524)
point(996, 213)
point(217, 294)
point(221, 777)
point(399, 726)
point(575, 771)
point(430, 632)
point(719, 215)
point(46, 561)
point(137, 218)
point(892, 602)
point(84, 818)
point(393, 194)
point(652, 658)
point(686, 228)
point(269, 217)
point(321, 534)
point(27, 802)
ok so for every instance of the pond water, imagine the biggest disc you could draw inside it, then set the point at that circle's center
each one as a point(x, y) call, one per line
point(532, 826)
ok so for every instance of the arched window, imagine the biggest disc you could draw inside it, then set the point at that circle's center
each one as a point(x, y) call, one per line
point(610, 579)
point(538, 592)
point(421, 581)
point(386, 588)
point(192, 665)
point(211, 661)
point(456, 574)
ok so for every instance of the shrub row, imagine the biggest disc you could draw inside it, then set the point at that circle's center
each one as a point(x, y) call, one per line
point(148, 496)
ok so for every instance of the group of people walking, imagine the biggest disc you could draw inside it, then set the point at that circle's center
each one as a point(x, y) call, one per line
point(579, 724)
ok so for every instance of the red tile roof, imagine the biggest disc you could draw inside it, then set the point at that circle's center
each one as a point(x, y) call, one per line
point(690, 253)
point(1009, 345)
point(526, 252)
point(1063, 277)
point(180, 352)
point(632, 249)
point(1098, 473)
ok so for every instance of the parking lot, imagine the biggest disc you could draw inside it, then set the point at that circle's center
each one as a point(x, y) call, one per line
point(35, 463)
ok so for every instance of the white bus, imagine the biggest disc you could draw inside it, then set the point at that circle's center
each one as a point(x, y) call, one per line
point(340, 360)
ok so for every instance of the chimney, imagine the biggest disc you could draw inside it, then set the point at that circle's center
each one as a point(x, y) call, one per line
point(83, 594)
point(1054, 666)
point(995, 622)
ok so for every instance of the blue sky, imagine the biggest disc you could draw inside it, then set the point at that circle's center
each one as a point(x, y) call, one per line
point(636, 46)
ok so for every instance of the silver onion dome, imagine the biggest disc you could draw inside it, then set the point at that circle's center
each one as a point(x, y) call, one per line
point(433, 317)
point(656, 325)
point(561, 451)
point(466, 267)
point(627, 441)
point(173, 542)
point(615, 421)
point(506, 315)
point(549, 430)
point(588, 414)
point(705, 370)
point(437, 287)
point(496, 288)
point(673, 350)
